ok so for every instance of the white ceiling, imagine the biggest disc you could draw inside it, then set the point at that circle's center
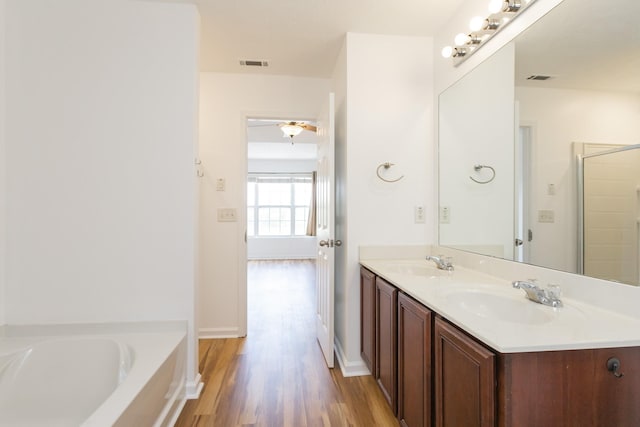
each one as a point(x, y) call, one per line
point(583, 44)
point(301, 38)
point(304, 37)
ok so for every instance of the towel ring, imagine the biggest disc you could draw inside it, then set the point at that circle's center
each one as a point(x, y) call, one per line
point(387, 165)
point(478, 168)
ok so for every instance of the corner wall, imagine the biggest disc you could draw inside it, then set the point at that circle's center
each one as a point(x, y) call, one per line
point(384, 114)
point(100, 134)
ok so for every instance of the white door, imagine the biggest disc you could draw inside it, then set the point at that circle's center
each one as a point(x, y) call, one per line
point(523, 232)
point(325, 230)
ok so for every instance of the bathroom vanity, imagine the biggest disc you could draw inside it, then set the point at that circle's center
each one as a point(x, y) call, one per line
point(463, 348)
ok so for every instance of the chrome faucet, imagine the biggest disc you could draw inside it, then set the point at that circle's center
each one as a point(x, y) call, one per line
point(441, 262)
point(538, 294)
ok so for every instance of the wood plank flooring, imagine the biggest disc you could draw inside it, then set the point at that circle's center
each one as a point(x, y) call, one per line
point(276, 376)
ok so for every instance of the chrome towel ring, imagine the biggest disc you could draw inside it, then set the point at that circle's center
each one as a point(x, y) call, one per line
point(387, 165)
point(478, 168)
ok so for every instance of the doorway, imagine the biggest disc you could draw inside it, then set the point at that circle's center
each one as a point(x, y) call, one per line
point(279, 208)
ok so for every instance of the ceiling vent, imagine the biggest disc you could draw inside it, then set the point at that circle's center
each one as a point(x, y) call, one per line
point(538, 77)
point(253, 63)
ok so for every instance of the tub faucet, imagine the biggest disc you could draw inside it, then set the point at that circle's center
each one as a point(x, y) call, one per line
point(441, 262)
point(538, 294)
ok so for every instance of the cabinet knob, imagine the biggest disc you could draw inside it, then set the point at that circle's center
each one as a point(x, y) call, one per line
point(613, 366)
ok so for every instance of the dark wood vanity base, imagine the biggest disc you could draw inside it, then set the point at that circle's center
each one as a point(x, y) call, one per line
point(569, 388)
point(442, 376)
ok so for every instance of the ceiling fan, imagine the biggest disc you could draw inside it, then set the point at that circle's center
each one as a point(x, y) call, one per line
point(294, 128)
point(289, 128)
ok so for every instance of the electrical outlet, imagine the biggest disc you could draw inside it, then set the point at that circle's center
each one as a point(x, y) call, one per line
point(220, 184)
point(445, 214)
point(418, 214)
point(227, 215)
point(546, 216)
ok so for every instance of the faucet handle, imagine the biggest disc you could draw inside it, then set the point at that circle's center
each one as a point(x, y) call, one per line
point(554, 290)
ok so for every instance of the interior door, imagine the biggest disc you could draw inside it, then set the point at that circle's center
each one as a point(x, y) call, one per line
point(325, 230)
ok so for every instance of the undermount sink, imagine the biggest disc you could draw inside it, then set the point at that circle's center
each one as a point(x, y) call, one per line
point(503, 308)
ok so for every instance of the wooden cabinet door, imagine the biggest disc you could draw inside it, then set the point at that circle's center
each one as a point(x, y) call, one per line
point(465, 380)
point(386, 340)
point(414, 363)
point(368, 319)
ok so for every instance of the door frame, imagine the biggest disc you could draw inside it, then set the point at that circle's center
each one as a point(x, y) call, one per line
point(243, 295)
point(525, 164)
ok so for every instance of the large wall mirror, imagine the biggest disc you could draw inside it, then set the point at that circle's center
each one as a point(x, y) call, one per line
point(522, 142)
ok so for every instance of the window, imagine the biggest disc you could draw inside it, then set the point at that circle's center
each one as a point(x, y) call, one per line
point(278, 204)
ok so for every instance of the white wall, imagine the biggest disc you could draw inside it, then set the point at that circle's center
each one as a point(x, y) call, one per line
point(226, 100)
point(560, 117)
point(476, 127)
point(100, 133)
point(387, 95)
point(3, 191)
point(300, 247)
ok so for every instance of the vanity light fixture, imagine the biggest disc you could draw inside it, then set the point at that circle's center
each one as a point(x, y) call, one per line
point(501, 12)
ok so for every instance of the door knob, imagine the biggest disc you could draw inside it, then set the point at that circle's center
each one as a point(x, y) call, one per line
point(338, 242)
point(323, 243)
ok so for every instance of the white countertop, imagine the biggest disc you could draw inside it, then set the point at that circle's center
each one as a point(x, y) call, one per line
point(501, 316)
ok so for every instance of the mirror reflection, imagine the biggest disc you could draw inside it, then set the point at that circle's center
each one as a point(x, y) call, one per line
point(609, 198)
point(568, 86)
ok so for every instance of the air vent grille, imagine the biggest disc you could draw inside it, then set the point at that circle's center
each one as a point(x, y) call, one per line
point(254, 63)
point(538, 77)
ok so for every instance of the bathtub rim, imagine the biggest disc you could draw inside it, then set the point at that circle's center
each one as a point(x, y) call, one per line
point(164, 337)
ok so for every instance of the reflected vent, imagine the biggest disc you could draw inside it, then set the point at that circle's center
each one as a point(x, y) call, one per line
point(253, 63)
point(538, 77)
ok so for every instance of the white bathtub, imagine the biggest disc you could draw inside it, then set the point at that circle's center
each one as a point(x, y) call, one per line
point(132, 379)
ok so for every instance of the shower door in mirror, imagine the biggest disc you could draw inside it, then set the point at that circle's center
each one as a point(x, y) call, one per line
point(609, 207)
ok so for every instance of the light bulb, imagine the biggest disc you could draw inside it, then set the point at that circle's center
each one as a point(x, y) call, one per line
point(476, 23)
point(495, 6)
point(447, 51)
point(461, 39)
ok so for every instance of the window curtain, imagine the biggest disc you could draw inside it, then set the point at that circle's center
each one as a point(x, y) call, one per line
point(311, 221)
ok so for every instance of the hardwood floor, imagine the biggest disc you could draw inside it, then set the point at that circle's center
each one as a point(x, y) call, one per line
point(277, 376)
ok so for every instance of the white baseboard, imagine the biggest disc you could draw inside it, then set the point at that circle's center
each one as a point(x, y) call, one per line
point(209, 333)
point(349, 368)
point(176, 414)
point(194, 388)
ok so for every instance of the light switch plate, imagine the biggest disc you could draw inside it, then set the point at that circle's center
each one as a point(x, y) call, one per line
point(221, 184)
point(546, 216)
point(227, 215)
point(445, 214)
point(418, 214)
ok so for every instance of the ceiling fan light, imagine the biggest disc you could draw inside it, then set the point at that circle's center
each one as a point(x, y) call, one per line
point(291, 129)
